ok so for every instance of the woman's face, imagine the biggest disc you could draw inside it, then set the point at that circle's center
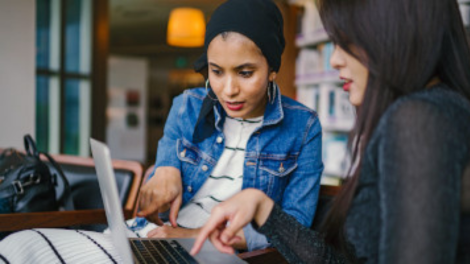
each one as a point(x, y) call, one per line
point(352, 72)
point(239, 75)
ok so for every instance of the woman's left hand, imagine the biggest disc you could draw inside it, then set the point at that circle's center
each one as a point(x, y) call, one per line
point(229, 217)
point(166, 231)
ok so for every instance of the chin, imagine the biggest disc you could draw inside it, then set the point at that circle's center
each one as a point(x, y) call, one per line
point(238, 116)
point(234, 114)
point(353, 100)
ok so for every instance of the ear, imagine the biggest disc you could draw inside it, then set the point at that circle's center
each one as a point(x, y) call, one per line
point(272, 76)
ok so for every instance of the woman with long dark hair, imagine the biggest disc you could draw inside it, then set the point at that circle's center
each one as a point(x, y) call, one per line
point(406, 65)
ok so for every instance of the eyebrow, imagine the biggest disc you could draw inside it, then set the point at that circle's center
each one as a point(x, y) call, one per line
point(245, 65)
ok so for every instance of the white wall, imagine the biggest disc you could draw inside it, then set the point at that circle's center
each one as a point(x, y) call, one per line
point(127, 74)
point(17, 71)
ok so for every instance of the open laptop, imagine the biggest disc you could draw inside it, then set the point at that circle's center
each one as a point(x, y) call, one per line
point(144, 250)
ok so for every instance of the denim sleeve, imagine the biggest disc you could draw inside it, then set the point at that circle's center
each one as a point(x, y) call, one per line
point(254, 240)
point(301, 195)
point(166, 151)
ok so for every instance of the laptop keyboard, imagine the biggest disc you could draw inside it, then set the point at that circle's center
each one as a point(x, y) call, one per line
point(160, 251)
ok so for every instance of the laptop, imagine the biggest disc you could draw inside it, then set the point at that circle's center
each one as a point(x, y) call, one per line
point(144, 250)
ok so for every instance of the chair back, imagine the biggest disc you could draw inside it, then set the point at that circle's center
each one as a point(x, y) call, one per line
point(89, 213)
point(327, 193)
point(81, 174)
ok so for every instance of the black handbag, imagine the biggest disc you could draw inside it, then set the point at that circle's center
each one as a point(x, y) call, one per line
point(27, 184)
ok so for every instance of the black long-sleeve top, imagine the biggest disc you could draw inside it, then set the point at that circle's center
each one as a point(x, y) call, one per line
point(410, 204)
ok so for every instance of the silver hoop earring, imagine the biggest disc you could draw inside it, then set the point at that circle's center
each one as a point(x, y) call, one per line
point(269, 91)
point(274, 92)
point(208, 91)
point(272, 88)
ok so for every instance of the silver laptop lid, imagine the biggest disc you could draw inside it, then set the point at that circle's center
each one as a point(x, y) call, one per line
point(109, 194)
point(115, 216)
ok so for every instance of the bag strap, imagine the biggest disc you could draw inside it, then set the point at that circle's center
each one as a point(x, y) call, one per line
point(17, 187)
point(30, 146)
point(66, 198)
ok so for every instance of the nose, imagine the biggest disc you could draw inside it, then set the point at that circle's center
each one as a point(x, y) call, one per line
point(231, 87)
point(336, 60)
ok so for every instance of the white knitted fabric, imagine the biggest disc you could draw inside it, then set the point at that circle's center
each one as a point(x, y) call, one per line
point(226, 178)
point(57, 246)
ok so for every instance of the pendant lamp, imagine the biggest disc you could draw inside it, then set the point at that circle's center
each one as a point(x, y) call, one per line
point(186, 27)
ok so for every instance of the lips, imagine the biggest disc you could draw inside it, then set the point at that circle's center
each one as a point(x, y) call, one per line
point(234, 106)
point(347, 84)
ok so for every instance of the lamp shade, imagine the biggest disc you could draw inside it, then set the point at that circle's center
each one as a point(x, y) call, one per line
point(186, 27)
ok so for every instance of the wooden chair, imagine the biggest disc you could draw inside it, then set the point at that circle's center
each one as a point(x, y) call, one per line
point(89, 210)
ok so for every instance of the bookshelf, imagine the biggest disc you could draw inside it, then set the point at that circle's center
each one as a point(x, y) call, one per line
point(318, 77)
point(318, 87)
point(311, 39)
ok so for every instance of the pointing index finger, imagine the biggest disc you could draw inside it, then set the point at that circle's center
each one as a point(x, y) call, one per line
point(214, 221)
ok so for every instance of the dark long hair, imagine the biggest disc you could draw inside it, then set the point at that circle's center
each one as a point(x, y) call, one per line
point(404, 44)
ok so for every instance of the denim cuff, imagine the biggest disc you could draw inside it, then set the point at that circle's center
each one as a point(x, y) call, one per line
point(254, 240)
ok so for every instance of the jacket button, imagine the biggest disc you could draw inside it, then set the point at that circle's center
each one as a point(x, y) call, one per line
point(190, 189)
point(205, 168)
point(219, 140)
point(183, 153)
point(281, 169)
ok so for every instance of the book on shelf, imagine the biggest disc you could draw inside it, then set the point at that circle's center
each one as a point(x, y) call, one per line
point(334, 152)
point(308, 62)
point(311, 20)
point(334, 107)
point(330, 180)
point(326, 50)
point(331, 103)
point(465, 12)
point(314, 64)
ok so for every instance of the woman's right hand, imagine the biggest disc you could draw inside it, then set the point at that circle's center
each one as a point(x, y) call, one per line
point(162, 192)
point(229, 217)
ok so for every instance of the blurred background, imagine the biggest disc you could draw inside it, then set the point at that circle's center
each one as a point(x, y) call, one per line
point(108, 69)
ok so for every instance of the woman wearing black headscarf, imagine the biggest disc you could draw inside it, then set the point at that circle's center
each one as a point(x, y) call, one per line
point(238, 132)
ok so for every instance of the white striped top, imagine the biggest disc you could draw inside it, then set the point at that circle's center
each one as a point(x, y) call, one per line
point(227, 176)
point(58, 246)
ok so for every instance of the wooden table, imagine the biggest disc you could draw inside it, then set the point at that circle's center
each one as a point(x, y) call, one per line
point(263, 256)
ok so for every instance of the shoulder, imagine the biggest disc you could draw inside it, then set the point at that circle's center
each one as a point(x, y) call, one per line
point(299, 120)
point(436, 102)
point(295, 109)
point(192, 94)
point(190, 98)
point(188, 103)
point(438, 108)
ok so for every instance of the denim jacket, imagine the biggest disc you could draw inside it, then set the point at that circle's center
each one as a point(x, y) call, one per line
point(282, 157)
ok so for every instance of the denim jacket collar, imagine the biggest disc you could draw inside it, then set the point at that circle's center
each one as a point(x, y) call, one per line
point(273, 113)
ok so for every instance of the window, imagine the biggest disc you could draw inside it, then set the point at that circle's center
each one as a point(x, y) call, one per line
point(63, 75)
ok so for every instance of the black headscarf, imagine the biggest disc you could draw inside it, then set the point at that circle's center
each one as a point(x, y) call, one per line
point(259, 20)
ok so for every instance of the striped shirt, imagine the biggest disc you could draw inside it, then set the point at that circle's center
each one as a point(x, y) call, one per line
point(227, 176)
point(58, 246)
